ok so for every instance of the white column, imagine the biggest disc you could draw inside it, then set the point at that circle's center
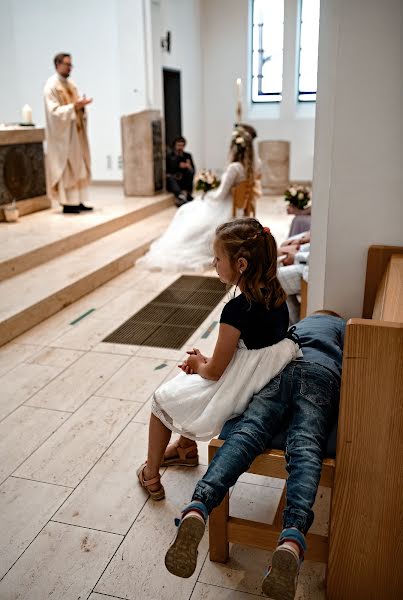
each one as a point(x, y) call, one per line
point(358, 166)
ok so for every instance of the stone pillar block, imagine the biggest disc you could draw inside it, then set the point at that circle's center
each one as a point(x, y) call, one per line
point(275, 157)
point(143, 153)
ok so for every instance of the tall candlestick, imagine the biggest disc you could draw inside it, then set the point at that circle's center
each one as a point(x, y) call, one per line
point(239, 89)
point(239, 100)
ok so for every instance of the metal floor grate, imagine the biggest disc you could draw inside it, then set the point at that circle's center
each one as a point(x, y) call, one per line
point(172, 317)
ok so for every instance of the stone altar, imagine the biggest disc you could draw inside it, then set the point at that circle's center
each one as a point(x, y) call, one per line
point(22, 169)
point(142, 151)
point(275, 157)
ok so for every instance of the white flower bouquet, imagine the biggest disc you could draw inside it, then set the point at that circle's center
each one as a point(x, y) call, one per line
point(206, 181)
point(298, 196)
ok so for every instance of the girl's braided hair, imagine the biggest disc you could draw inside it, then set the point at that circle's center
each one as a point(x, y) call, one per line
point(247, 238)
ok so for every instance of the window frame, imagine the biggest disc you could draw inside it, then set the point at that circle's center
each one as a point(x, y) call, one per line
point(274, 102)
point(299, 92)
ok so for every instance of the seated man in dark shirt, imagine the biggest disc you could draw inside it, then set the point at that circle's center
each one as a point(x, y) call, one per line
point(180, 172)
point(305, 395)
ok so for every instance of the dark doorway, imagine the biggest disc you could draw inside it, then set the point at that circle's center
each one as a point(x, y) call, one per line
point(172, 105)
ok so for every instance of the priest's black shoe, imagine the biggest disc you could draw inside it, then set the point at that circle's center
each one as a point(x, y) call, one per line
point(71, 210)
point(83, 208)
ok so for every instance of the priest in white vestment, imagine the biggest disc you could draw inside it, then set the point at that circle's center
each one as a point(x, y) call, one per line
point(68, 155)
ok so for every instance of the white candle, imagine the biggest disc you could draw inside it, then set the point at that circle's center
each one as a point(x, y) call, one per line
point(239, 89)
point(26, 114)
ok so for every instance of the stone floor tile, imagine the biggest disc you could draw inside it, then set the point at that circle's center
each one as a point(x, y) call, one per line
point(138, 571)
point(18, 385)
point(25, 508)
point(145, 280)
point(243, 571)
point(109, 497)
point(55, 357)
point(257, 500)
point(143, 416)
point(203, 591)
point(78, 382)
point(96, 596)
point(262, 480)
point(63, 562)
point(137, 379)
point(311, 582)
point(161, 353)
point(70, 453)
point(13, 354)
point(85, 334)
point(124, 306)
point(24, 431)
point(124, 349)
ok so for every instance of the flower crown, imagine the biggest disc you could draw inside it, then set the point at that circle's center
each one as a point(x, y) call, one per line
point(240, 137)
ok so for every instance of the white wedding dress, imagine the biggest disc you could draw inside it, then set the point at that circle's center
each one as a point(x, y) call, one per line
point(198, 408)
point(187, 244)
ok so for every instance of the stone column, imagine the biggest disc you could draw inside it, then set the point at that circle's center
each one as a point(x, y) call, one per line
point(275, 157)
point(143, 153)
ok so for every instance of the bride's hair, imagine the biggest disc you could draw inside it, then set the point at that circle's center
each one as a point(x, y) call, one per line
point(248, 239)
point(241, 150)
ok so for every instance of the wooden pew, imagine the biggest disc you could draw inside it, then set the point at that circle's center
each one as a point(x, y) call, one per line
point(366, 535)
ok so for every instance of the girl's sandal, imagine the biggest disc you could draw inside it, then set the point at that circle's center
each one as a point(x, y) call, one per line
point(182, 459)
point(145, 483)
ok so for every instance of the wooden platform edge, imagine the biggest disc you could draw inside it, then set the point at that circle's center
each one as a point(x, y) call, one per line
point(39, 256)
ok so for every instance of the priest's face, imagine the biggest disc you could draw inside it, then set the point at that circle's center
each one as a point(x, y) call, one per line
point(64, 68)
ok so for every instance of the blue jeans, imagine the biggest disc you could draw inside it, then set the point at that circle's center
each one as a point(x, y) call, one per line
point(304, 399)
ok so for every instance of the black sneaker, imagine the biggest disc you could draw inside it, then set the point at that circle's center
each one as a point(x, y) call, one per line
point(83, 208)
point(71, 210)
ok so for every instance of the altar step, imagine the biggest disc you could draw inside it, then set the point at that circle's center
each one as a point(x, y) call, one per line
point(33, 296)
point(41, 237)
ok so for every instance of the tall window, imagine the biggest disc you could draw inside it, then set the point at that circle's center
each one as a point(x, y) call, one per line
point(267, 50)
point(308, 50)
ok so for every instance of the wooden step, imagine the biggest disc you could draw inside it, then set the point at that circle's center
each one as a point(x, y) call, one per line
point(31, 297)
point(41, 237)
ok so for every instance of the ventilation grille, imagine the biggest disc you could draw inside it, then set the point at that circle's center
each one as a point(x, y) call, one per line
point(173, 316)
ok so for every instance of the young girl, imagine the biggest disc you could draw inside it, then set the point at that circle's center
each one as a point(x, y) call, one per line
point(251, 349)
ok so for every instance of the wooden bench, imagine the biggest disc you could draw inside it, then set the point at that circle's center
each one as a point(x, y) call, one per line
point(363, 551)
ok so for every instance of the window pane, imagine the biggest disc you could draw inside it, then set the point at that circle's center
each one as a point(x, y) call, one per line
point(267, 50)
point(308, 53)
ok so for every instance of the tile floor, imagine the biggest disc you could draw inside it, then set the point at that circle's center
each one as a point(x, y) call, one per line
point(73, 428)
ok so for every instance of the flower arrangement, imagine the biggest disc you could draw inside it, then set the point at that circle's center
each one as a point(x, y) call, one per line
point(298, 196)
point(205, 181)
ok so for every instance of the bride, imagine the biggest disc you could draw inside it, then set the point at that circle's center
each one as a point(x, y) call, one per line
point(186, 244)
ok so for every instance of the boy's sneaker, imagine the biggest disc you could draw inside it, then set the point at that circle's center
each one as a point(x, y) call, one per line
point(181, 558)
point(280, 582)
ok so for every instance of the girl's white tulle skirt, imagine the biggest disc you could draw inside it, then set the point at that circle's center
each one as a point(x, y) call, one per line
point(198, 408)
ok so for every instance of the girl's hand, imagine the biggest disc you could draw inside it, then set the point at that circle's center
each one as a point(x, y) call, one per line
point(196, 360)
point(196, 351)
point(186, 369)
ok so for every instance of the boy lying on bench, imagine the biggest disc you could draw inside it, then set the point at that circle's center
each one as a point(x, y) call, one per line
point(306, 395)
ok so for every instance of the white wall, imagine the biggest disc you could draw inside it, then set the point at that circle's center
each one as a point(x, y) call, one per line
point(9, 97)
point(183, 19)
point(358, 170)
point(226, 42)
point(106, 40)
